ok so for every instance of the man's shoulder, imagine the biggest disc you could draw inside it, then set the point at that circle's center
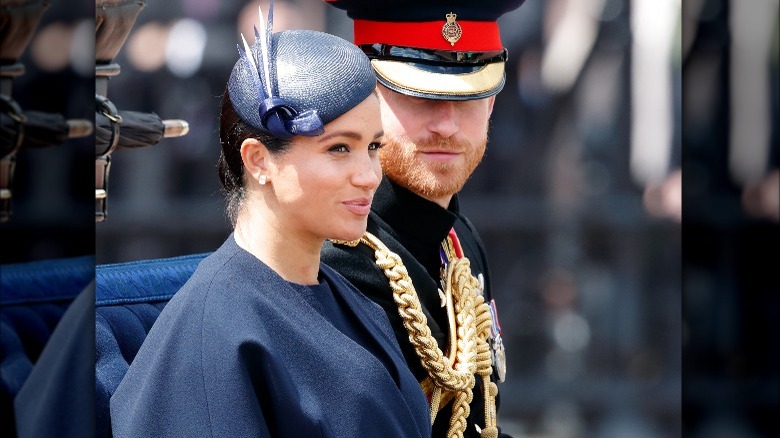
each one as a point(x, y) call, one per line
point(358, 263)
point(464, 225)
point(339, 256)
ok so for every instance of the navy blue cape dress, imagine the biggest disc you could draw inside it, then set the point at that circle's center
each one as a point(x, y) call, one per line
point(240, 352)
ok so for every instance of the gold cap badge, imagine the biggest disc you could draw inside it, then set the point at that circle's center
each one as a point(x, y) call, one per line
point(451, 30)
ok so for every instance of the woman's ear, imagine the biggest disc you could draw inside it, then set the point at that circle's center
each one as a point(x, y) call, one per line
point(255, 157)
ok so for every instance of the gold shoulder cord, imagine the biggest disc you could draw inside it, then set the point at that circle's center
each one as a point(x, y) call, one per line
point(470, 323)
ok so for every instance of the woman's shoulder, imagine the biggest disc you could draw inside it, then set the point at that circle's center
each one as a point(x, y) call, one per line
point(222, 284)
point(217, 308)
point(353, 294)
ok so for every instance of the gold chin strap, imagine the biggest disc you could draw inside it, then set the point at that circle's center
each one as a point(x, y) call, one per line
point(450, 377)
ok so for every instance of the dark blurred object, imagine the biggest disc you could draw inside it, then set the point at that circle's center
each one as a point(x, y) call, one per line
point(731, 288)
point(33, 298)
point(21, 129)
point(40, 130)
point(113, 21)
point(18, 20)
point(118, 130)
point(36, 293)
point(136, 130)
point(13, 117)
point(12, 121)
point(29, 130)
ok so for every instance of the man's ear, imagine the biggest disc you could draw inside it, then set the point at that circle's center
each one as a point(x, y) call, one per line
point(255, 157)
point(491, 103)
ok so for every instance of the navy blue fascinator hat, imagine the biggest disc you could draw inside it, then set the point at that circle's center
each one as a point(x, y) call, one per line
point(296, 81)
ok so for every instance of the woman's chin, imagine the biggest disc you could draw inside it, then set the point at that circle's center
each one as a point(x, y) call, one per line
point(350, 236)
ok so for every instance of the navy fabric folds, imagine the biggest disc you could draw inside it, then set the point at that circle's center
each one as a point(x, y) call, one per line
point(238, 353)
point(128, 299)
point(34, 296)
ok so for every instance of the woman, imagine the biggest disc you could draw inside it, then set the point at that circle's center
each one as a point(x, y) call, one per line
point(264, 340)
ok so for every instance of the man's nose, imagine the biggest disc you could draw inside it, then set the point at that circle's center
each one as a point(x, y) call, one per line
point(444, 119)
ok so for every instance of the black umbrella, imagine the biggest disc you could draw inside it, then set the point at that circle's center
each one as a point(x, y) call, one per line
point(34, 129)
point(40, 130)
point(135, 130)
point(130, 130)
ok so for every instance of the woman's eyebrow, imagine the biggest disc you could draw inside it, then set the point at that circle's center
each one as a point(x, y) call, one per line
point(350, 134)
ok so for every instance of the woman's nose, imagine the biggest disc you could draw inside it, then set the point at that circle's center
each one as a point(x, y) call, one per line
point(369, 173)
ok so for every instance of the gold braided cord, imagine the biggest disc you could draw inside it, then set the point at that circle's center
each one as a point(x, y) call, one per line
point(414, 320)
point(453, 376)
point(484, 368)
point(445, 396)
point(435, 402)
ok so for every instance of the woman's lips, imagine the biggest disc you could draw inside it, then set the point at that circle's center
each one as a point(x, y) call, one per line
point(359, 206)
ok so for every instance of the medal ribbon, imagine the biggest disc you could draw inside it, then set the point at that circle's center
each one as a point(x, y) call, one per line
point(450, 247)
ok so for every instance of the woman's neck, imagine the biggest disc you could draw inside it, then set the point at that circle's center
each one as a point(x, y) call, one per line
point(293, 256)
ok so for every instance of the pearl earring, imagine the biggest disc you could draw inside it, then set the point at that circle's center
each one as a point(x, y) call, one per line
point(263, 179)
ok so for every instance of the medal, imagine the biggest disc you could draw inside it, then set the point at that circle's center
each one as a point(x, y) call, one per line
point(499, 357)
point(498, 354)
point(481, 290)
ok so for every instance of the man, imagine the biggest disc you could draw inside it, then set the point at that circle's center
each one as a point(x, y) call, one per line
point(439, 65)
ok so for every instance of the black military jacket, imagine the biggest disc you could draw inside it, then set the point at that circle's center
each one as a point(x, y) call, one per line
point(414, 228)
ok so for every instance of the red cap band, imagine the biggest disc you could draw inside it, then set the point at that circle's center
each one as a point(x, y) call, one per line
point(476, 36)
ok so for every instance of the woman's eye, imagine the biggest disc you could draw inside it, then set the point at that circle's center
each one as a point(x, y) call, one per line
point(375, 146)
point(339, 148)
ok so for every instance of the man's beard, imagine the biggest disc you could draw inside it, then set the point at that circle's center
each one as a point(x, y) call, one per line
point(403, 165)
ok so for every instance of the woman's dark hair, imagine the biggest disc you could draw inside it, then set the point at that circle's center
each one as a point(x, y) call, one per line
point(232, 132)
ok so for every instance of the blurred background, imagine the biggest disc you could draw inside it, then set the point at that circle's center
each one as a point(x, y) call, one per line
point(636, 300)
point(48, 65)
point(47, 225)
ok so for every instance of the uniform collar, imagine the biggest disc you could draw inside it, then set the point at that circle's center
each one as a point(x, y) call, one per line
point(412, 215)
